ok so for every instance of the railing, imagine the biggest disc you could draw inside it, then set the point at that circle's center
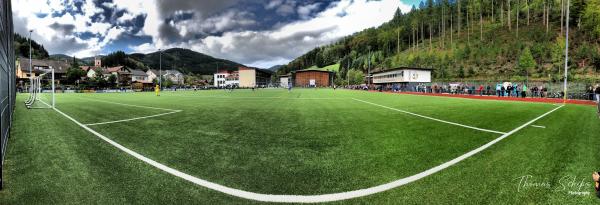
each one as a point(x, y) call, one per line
point(7, 79)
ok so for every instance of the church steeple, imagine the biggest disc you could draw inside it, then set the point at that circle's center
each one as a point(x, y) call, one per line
point(97, 61)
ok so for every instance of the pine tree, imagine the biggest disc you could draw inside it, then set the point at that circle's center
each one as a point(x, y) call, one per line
point(526, 62)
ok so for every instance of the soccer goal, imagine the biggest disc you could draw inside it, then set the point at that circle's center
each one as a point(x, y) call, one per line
point(41, 94)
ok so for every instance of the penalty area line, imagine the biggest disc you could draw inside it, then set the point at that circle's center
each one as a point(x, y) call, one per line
point(430, 118)
point(130, 105)
point(135, 118)
point(302, 198)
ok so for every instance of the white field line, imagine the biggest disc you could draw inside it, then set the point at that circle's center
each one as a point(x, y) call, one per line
point(130, 105)
point(256, 97)
point(538, 126)
point(135, 118)
point(430, 118)
point(303, 198)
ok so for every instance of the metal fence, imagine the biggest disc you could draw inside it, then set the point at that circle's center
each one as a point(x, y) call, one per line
point(577, 91)
point(7, 78)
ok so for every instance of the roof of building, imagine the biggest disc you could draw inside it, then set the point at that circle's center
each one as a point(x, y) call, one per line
point(138, 73)
point(172, 72)
point(154, 71)
point(87, 68)
point(311, 70)
point(58, 66)
point(400, 68)
point(119, 69)
point(226, 71)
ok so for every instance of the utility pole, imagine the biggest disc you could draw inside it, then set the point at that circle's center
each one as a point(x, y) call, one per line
point(217, 73)
point(160, 69)
point(348, 72)
point(566, 54)
point(369, 68)
point(30, 66)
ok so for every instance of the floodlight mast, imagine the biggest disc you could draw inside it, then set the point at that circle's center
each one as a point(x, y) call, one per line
point(566, 55)
point(53, 90)
point(160, 69)
point(369, 68)
point(30, 66)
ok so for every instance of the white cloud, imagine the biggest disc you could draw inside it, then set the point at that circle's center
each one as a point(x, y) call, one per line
point(269, 48)
point(257, 48)
point(305, 11)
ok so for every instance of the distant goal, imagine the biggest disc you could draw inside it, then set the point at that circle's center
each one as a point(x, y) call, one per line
point(41, 91)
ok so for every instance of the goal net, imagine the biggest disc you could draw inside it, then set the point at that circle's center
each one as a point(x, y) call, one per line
point(41, 94)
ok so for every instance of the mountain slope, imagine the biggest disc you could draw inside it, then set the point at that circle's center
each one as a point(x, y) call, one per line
point(185, 60)
point(21, 45)
point(487, 47)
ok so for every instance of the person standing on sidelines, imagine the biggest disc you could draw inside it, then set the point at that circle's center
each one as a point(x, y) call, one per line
point(157, 90)
point(498, 89)
point(598, 93)
point(524, 92)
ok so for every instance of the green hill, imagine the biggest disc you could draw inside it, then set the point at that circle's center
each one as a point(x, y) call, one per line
point(21, 45)
point(185, 60)
point(473, 40)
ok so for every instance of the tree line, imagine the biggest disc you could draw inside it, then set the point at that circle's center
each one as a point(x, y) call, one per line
point(480, 37)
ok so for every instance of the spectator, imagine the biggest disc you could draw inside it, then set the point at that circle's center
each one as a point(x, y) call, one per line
point(590, 93)
point(480, 90)
point(543, 92)
point(596, 178)
point(498, 88)
point(509, 89)
point(488, 90)
point(502, 90)
point(517, 91)
point(524, 93)
point(598, 93)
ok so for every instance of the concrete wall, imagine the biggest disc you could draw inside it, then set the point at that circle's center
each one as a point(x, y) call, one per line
point(247, 77)
point(283, 81)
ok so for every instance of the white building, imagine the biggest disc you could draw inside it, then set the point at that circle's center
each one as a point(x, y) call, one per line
point(152, 74)
point(225, 78)
point(284, 81)
point(174, 75)
point(139, 76)
point(402, 75)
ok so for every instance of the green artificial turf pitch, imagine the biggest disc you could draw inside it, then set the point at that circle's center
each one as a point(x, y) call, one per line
point(304, 142)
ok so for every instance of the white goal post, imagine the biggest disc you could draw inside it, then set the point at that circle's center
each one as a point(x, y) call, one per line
point(42, 92)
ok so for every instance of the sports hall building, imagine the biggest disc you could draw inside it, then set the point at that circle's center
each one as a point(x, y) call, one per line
point(312, 78)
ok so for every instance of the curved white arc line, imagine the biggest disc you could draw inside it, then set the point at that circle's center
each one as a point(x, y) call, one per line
point(135, 118)
point(430, 118)
point(303, 198)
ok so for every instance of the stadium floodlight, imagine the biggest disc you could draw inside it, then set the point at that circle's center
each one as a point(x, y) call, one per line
point(39, 95)
point(160, 69)
point(566, 56)
point(30, 66)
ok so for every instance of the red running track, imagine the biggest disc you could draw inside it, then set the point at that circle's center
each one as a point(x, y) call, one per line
point(528, 99)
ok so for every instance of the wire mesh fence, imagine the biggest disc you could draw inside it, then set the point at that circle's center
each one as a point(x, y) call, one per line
point(576, 91)
point(7, 78)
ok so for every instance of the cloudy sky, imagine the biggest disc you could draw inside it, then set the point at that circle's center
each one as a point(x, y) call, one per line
point(257, 33)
